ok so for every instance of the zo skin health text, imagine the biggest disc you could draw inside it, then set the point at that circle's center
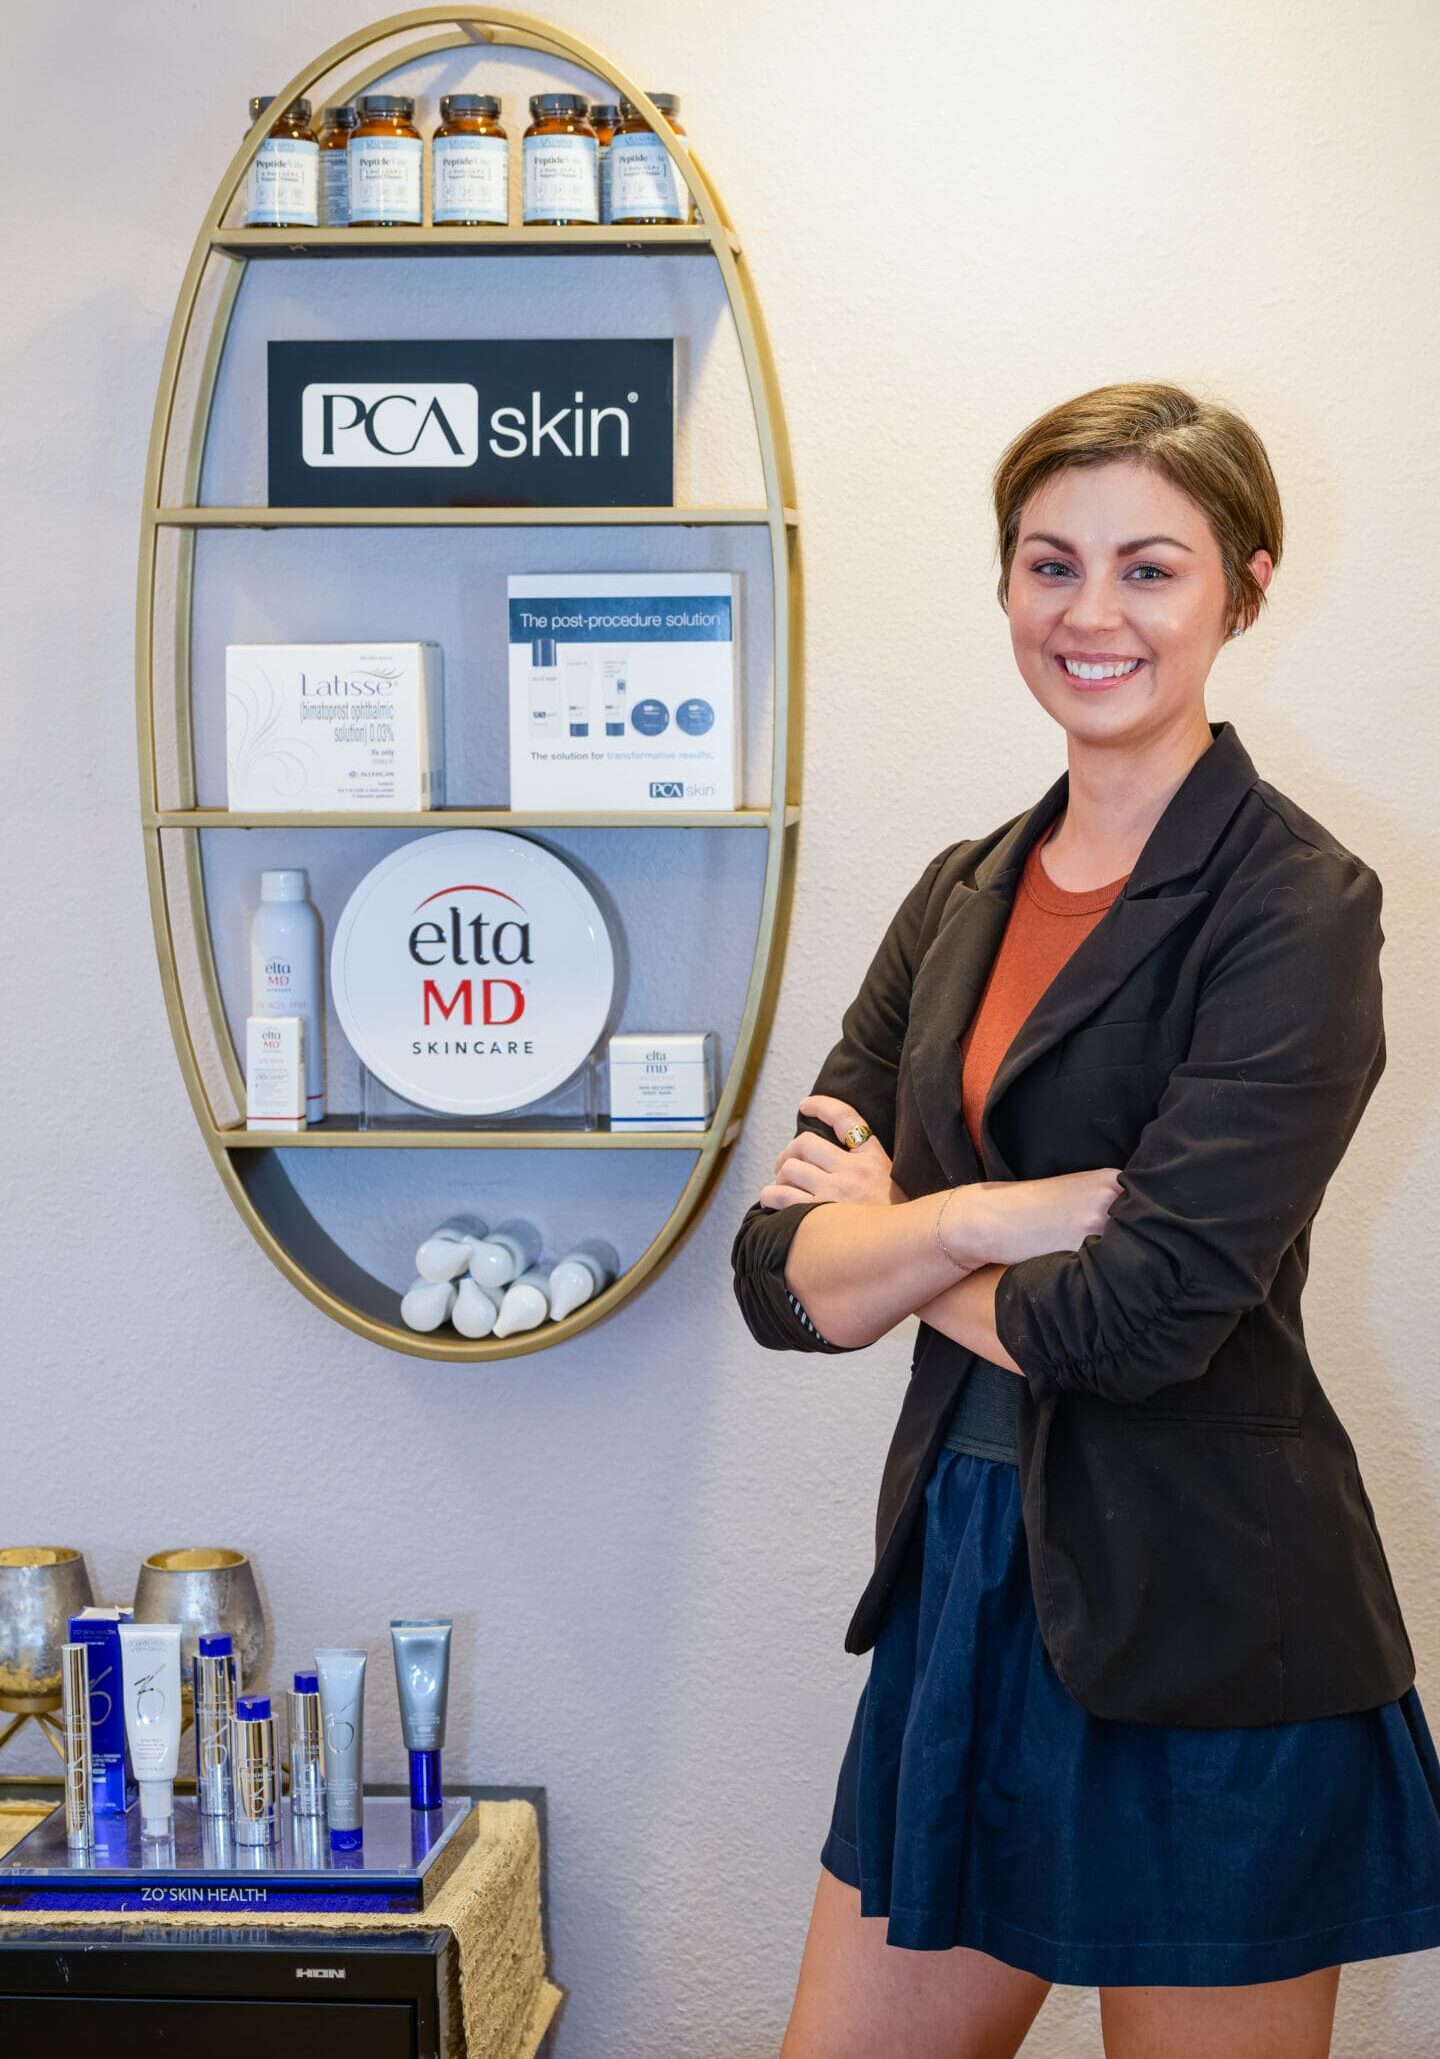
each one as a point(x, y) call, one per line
point(422, 1680)
point(341, 1676)
point(150, 1677)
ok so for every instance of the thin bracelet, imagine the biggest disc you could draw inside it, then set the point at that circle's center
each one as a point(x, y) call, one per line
point(959, 1264)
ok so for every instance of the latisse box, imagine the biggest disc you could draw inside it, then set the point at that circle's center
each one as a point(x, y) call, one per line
point(623, 691)
point(330, 727)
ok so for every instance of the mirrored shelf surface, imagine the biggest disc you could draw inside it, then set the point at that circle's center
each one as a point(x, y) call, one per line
point(559, 1134)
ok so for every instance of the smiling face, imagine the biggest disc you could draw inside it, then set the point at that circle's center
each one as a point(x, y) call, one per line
point(1118, 601)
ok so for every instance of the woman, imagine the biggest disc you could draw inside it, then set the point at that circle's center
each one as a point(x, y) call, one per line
point(1140, 1714)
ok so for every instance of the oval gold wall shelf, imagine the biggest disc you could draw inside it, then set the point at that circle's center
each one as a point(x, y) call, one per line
point(251, 1166)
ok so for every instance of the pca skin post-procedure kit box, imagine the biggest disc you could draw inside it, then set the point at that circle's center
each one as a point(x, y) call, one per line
point(623, 691)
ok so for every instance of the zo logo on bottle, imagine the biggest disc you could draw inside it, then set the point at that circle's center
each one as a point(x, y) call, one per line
point(368, 425)
point(449, 424)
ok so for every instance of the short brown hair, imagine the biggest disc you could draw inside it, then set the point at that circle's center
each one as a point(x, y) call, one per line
point(1209, 452)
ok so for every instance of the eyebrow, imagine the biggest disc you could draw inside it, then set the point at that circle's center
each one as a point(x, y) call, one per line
point(1124, 550)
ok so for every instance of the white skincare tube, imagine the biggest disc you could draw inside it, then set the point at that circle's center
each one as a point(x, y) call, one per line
point(526, 1303)
point(285, 976)
point(576, 667)
point(445, 1254)
point(475, 1311)
point(615, 692)
point(580, 1275)
point(544, 688)
point(506, 1253)
point(426, 1304)
point(422, 1681)
point(150, 1678)
point(341, 1674)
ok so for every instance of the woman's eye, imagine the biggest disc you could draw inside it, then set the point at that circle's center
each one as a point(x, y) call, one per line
point(1053, 565)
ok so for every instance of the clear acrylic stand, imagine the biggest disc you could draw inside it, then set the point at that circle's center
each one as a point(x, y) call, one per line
point(580, 1104)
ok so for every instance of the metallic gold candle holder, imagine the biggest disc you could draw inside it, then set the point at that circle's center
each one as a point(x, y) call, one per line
point(41, 1587)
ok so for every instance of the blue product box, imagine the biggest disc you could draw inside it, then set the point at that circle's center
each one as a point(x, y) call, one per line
point(115, 1788)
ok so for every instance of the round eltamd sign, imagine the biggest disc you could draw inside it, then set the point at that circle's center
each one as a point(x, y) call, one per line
point(472, 972)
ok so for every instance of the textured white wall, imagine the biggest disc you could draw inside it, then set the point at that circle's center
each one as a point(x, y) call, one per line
point(653, 1537)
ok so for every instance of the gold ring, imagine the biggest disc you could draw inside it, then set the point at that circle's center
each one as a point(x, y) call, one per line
point(859, 1134)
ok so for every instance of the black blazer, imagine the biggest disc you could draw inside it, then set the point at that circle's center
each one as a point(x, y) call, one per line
point(1202, 1549)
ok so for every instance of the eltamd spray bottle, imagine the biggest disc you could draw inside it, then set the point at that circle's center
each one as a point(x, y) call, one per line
point(285, 975)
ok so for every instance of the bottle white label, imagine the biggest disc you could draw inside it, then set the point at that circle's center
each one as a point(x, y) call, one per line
point(606, 210)
point(561, 179)
point(384, 174)
point(644, 182)
point(281, 186)
point(335, 188)
point(471, 179)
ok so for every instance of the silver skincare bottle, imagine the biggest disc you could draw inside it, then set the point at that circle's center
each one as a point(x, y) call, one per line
point(75, 1725)
point(307, 1762)
point(257, 1769)
point(217, 1683)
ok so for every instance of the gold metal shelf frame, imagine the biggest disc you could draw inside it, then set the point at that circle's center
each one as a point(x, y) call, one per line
point(255, 1178)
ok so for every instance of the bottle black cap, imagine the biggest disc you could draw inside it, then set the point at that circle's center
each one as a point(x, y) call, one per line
point(668, 104)
point(260, 101)
point(606, 111)
point(542, 104)
point(470, 103)
point(387, 103)
point(338, 118)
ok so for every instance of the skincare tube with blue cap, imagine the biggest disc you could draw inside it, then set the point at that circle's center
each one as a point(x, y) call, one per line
point(340, 1672)
point(422, 1679)
point(216, 1683)
point(257, 1771)
point(307, 1770)
point(150, 1678)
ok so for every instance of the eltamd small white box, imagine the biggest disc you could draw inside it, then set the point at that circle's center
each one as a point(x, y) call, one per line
point(664, 1081)
point(331, 727)
point(274, 1072)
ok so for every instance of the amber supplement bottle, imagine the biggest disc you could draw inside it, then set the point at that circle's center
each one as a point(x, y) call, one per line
point(384, 162)
point(604, 117)
point(645, 182)
point(282, 183)
point(336, 125)
point(562, 185)
point(470, 163)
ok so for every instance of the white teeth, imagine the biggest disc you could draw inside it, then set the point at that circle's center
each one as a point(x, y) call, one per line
point(1101, 671)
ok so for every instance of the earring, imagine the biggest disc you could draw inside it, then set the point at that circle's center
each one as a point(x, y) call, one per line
point(1236, 630)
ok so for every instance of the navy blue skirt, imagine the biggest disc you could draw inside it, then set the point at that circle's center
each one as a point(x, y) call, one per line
point(979, 1804)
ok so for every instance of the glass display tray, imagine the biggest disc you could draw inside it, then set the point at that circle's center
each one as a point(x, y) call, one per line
point(406, 1857)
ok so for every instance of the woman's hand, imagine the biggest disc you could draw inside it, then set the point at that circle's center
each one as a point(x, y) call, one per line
point(811, 1168)
point(1001, 1222)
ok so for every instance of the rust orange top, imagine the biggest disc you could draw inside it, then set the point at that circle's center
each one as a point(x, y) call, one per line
point(1046, 924)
